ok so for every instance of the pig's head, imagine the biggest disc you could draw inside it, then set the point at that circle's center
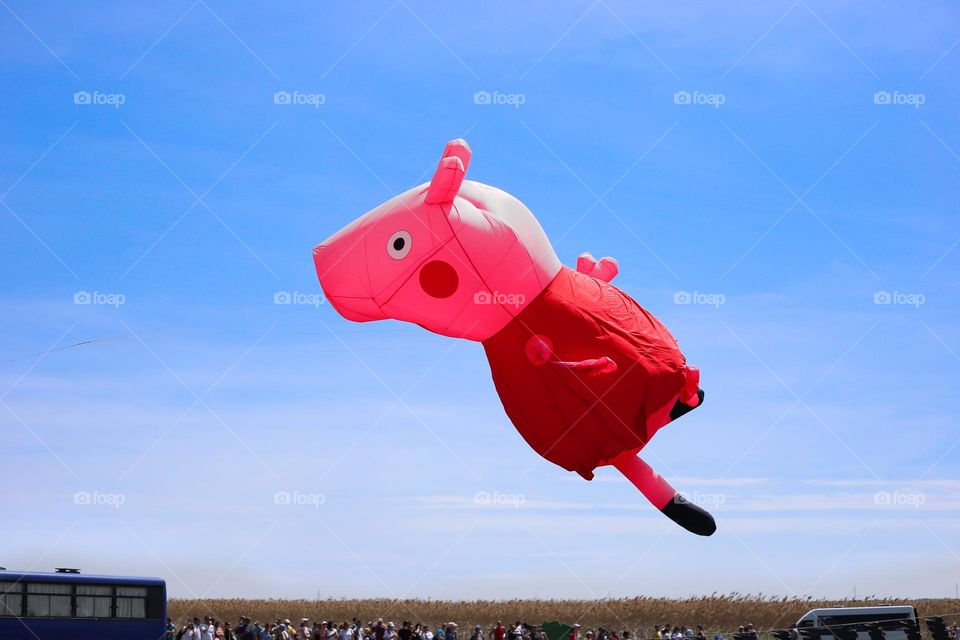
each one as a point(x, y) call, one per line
point(457, 257)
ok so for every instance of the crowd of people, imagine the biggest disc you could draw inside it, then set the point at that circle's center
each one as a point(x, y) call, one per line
point(246, 629)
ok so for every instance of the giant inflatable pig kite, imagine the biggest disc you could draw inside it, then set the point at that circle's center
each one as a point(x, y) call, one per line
point(585, 373)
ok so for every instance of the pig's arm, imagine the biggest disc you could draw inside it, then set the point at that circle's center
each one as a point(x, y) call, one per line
point(605, 269)
point(540, 352)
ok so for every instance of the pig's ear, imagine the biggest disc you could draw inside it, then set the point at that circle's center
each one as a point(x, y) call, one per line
point(450, 172)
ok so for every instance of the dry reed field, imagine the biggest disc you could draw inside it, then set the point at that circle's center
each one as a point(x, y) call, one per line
point(717, 613)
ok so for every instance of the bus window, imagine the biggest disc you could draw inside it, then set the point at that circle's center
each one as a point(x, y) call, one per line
point(94, 600)
point(48, 600)
point(11, 599)
point(887, 620)
point(131, 602)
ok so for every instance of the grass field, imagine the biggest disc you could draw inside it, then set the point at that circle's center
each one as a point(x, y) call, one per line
point(716, 613)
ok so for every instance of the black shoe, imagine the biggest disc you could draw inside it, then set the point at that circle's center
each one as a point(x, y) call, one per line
point(680, 409)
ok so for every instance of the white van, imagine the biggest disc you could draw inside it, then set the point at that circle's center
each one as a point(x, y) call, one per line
point(889, 618)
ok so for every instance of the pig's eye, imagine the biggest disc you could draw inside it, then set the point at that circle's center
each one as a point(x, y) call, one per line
point(398, 246)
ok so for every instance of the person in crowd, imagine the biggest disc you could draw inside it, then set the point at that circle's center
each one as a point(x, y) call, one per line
point(304, 632)
point(191, 632)
point(171, 630)
point(575, 632)
point(206, 628)
point(477, 633)
point(244, 630)
point(450, 633)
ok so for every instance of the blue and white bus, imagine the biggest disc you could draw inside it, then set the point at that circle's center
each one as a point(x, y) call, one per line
point(75, 606)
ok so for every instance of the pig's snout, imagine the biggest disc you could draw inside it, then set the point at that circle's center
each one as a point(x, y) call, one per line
point(343, 277)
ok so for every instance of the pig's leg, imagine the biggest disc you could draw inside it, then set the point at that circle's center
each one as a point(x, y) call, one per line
point(691, 396)
point(664, 497)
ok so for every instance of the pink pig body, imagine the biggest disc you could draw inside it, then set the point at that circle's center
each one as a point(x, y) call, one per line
point(467, 260)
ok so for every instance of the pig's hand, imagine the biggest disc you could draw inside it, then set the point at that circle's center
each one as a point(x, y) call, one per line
point(604, 269)
point(540, 352)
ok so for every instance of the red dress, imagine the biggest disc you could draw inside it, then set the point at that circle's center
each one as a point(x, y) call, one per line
point(576, 420)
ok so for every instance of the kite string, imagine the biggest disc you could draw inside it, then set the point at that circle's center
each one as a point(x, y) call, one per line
point(78, 343)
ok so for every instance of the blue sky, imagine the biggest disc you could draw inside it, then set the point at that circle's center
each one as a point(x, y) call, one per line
point(239, 447)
